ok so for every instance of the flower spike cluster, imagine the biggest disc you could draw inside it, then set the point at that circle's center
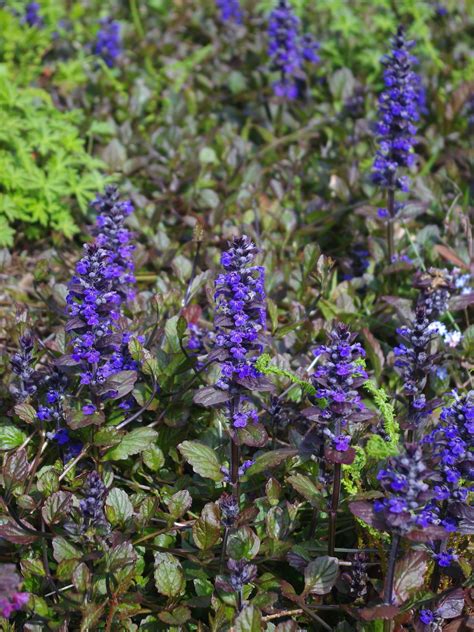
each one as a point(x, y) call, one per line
point(406, 481)
point(337, 380)
point(240, 322)
point(108, 44)
point(398, 114)
point(22, 365)
point(92, 505)
point(415, 362)
point(97, 292)
point(230, 11)
point(451, 445)
point(32, 15)
point(288, 50)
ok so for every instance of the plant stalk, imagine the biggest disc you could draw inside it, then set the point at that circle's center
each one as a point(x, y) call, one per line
point(390, 225)
point(336, 492)
point(388, 594)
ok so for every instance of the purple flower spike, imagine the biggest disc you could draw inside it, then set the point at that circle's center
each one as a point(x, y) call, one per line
point(108, 43)
point(230, 11)
point(288, 50)
point(399, 106)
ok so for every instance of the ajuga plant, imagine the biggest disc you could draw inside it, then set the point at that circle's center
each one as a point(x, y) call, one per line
point(289, 50)
point(396, 128)
point(240, 321)
point(337, 380)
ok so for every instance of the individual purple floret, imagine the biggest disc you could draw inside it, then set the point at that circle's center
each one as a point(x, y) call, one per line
point(92, 505)
point(240, 323)
point(445, 558)
point(108, 43)
point(11, 599)
point(22, 364)
point(32, 16)
point(230, 11)
point(288, 50)
point(398, 113)
point(97, 292)
point(337, 379)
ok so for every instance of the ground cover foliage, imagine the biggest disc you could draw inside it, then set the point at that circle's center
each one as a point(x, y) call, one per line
point(236, 262)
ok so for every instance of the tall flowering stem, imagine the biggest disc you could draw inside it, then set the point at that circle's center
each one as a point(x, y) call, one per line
point(289, 50)
point(396, 129)
point(240, 323)
point(337, 380)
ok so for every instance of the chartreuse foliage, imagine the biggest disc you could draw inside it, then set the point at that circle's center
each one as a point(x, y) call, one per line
point(45, 170)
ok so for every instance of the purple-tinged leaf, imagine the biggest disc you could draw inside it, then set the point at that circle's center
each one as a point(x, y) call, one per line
point(320, 575)
point(253, 435)
point(210, 396)
point(365, 511)
point(12, 532)
point(381, 611)
point(15, 468)
point(410, 575)
point(451, 604)
point(57, 507)
point(335, 456)
point(118, 385)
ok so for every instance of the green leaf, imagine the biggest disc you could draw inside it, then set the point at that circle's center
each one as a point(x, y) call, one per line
point(243, 543)
point(120, 556)
point(249, 620)
point(179, 503)
point(154, 458)
point(253, 435)
point(207, 156)
point(306, 488)
point(11, 436)
point(207, 529)
point(269, 460)
point(320, 575)
point(81, 578)
point(277, 522)
point(118, 507)
point(169, 576)
point(26, 413)
point(202, 459)
point(132, 443)
point(64, 550)
point(178, 616)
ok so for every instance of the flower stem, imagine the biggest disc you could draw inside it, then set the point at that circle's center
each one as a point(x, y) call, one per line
point(390, 225)
point(336, 492)
point(388, 594)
